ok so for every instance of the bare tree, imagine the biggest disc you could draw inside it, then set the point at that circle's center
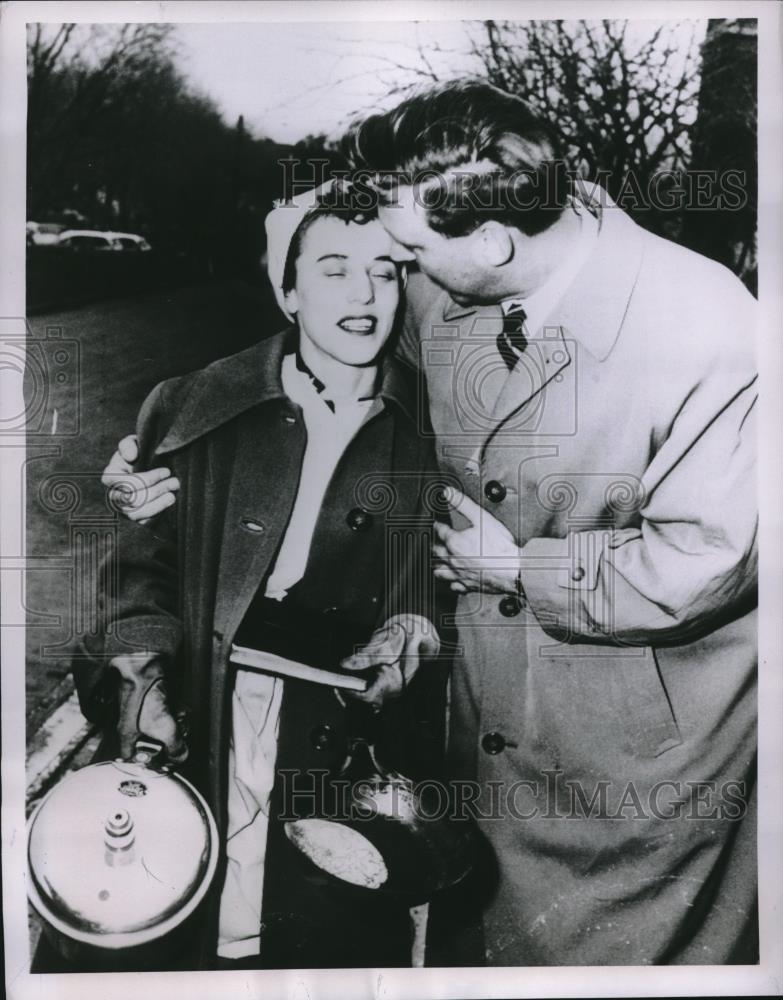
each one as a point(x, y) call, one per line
point(624, 103)
point(725, 140)
point(78, 77)
point(623, 97)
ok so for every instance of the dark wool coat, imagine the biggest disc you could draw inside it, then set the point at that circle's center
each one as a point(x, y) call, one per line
point(185, 581)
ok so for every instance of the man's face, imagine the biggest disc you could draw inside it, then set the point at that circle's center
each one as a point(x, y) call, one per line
point(455, 263)
point(347, 289)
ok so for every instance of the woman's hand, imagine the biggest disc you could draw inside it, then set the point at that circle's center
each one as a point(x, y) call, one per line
point(393, 652)
point(144, 709)
point(137, 495)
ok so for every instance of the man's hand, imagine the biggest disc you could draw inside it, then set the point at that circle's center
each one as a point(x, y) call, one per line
point(138, 495)
point(393, 652)
point(483, 556)
point(144, 708)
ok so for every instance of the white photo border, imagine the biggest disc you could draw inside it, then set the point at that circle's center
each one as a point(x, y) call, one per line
point(764, 979)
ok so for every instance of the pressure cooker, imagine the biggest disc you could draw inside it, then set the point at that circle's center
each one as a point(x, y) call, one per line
point(120, 855)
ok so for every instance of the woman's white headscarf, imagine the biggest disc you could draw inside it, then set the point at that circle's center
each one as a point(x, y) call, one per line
point(281, 224)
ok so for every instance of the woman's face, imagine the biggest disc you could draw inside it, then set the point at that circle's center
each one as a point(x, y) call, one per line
point(347, 289)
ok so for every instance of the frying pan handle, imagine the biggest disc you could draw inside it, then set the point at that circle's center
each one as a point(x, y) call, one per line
point(150, 752)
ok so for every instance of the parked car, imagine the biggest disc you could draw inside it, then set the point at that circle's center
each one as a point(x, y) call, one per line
point(43, 234)
point(89, 239)
point(131, 241)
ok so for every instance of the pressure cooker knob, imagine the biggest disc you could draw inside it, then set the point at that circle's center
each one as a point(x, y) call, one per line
point(119, 838)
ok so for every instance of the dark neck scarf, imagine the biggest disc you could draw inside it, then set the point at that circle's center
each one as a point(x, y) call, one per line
point(319, 386)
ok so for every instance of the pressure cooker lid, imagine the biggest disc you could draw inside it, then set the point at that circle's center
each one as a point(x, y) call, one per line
point(120, 849)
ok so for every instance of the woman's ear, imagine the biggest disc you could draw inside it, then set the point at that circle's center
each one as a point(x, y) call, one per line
point(496, 245)
point(291, 301)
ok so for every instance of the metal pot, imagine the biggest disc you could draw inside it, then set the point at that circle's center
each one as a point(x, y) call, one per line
point(120, 855)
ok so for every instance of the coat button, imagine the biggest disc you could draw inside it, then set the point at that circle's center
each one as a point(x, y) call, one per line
point(358, 519)
point(510, 606)
point(255, 526)
point(321, 736)
point(578, 574)
point(493, 743)
point(495, 491)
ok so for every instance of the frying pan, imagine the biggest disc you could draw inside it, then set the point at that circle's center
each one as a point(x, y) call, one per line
point(397, 837)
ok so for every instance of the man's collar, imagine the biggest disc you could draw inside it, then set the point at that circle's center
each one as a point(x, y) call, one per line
point(593, 307)
point(230, 386)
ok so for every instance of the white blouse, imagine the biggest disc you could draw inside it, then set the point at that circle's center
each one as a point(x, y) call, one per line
point(255, 707)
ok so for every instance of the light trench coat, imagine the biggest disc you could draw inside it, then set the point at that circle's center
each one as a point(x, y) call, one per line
point(611, 722)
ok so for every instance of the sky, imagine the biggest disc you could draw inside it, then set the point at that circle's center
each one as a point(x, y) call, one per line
point(289, 80)
point(292, 79)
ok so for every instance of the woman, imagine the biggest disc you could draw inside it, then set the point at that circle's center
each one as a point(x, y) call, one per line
point(296, 458)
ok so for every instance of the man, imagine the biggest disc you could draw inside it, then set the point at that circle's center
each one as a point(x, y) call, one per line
point(592, 386)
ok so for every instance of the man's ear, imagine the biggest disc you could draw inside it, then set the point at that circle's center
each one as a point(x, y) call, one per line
point(495, 243)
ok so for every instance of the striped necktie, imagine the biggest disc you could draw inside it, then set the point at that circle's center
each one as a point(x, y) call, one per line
point(512, 340)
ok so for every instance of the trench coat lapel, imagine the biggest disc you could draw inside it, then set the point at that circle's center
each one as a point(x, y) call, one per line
point(593, 308)
point(545, 357)
point(480, 372)
point(505, 392)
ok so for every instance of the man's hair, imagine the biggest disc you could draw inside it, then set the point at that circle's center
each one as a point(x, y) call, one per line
point(328, 208)
point(478, 152)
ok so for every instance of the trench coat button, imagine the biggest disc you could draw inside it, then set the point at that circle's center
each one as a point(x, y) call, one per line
point(250, 525)
point(358, 519)
point(578, 573)
point(495, 491)
point(321, 736)
point(510, 606)
point(493, 743)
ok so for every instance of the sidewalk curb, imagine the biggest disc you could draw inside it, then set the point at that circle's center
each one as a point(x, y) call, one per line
point(55, 744)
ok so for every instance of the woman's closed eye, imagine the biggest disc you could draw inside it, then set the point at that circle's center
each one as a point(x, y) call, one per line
point(385, 273)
